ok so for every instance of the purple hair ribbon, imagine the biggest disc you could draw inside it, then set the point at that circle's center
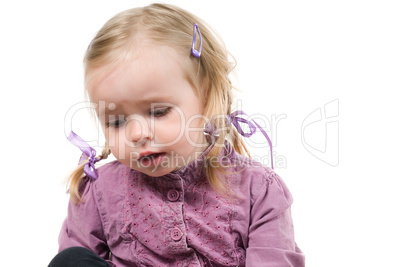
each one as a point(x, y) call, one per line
point(196, 53)
point(88, 153)
point(233, 119)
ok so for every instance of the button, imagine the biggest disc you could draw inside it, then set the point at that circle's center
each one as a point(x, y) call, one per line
point(173, 195)
point(176, 234)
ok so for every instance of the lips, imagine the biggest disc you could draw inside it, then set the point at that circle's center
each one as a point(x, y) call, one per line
point(148, 159)
point(147, 154)
point(150, 156)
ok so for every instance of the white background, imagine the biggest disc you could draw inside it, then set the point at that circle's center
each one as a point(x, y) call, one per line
point(293, 57)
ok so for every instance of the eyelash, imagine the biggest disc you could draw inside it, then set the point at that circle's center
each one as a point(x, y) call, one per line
point(157, 113)
point(115, 124)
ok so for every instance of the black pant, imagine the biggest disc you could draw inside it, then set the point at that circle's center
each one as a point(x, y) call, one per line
point(77, 257)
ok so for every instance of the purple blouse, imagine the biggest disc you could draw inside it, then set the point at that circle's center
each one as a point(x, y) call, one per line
point(132, 219)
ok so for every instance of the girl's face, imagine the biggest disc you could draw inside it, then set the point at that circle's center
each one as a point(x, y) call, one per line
point(148, 110)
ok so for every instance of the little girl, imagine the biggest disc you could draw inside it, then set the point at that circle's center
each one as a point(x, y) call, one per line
point(181, 192)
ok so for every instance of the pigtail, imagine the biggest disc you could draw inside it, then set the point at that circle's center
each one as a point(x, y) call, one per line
point(239, 145)
point(76, 179)
point(217, 176)
point(74, 182)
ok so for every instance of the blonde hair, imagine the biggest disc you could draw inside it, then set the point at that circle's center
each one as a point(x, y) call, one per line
point(172, 26)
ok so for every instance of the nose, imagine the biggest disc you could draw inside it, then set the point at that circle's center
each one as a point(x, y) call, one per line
point(138, 129)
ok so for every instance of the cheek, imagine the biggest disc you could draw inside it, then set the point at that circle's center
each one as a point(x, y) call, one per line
point(186, 127)
point(170, 131)
point(177, 136)
point(195, 129)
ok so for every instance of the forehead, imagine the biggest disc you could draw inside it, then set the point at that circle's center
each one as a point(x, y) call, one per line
point(146, 75)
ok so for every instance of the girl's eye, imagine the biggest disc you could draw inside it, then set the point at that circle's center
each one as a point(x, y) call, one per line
point(159, 112)
point(116, 123)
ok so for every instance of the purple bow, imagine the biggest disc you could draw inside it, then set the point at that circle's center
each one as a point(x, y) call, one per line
point(233, 119)
point(88, 153)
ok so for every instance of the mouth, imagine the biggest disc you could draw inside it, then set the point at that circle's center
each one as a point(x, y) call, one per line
point(151, 159)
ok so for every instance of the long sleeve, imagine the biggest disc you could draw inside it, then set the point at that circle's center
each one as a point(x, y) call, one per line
point(271, 235)
point(83, 225)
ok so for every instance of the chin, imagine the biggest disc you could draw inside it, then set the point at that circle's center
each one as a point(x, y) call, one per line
point(157, 172)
